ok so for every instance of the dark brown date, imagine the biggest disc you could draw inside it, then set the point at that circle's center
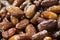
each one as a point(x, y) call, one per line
point(39, 19)
point(49, 2)
point(47, 25)
point(56, 34)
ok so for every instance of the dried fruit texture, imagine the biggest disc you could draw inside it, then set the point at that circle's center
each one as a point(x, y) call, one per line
point(33, 20)
point(27, 6)
point(49, 15)
point(29, 19)
point(22, 24)
point(10, 1)
point(30, 29)
point(56, 34)
point(5, 2)
point(30, 11)
point(25, 37)
point(14, 20)
point(8, 33)
point(47, 38)
point(39, 19)
point(5, 24)
point(55, 9)
point(15, 37)
point(23, 5)
point(47, 25)
point(5, 34)
point(49, 2)
point(11, 31)
point(40, 35)
point(17, 2)
point(3, 12)
point(14, 11)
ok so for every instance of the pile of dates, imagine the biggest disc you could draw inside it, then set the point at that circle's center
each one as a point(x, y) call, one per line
point(29, 19)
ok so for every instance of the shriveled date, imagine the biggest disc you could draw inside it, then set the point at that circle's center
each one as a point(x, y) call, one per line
point(21, 37)
point(14, 11)
point(47, 25)
point(49, 2)
point(22, 24)
point(40, 35)
point(15, 37)
point(30, 29)
point(9, 33)
point(5, 25)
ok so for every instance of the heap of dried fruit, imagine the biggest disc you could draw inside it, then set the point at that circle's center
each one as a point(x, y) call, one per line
point(29, 19)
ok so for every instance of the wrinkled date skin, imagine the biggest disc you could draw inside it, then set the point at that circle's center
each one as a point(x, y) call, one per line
point(49, 15)
point(14, 11)
point(9, 33)
point(47, 25)
point(39, 19)
point(15, 37)
point(49, 2)
point(30, 11)
point(5, 25)
point(22, 24)
point(40, 35)
point(29, 19)
point(30, 29)
point(20, 37)
point(55, 9)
